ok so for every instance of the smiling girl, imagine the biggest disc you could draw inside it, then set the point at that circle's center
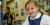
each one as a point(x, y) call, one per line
point(37, 16)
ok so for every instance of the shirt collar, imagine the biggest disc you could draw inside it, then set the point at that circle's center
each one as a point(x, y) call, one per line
point(37, 16)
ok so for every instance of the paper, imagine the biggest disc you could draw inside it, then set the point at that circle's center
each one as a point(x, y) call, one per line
point(16, 6)
point(22, 12)
point(16, 12)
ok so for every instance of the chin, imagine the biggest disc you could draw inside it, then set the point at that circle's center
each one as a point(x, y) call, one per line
point(32, 15)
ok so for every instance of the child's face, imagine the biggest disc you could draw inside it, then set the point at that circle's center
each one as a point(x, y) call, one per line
point(6, 10)
point(32, 10)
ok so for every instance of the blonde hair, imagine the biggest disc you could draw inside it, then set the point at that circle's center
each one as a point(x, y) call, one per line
point(34, 2)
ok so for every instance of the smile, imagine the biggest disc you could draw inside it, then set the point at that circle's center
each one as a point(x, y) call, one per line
point(31, 13)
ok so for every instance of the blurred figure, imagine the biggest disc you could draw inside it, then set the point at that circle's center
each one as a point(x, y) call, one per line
point(8, 16)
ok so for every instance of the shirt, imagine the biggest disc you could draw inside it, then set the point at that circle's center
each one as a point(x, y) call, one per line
point(45, 20)
point(6, 18)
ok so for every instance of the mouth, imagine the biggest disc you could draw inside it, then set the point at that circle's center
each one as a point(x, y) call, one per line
point(32, 13)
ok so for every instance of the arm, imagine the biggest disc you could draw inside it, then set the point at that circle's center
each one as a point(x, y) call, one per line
point(5, 17)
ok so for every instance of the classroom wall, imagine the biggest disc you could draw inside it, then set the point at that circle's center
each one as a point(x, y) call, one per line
point(3, 4)
point(20, 4)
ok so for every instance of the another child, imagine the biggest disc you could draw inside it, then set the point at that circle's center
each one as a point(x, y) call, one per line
point(8, 16)
point(36, 15)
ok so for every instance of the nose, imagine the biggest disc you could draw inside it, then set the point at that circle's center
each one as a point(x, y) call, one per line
point(30, 10)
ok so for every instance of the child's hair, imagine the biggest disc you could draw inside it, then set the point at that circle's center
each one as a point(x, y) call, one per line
point(34, 2)
point(8, 8)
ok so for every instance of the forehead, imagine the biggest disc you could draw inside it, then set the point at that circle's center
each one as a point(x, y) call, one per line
point(30, 5)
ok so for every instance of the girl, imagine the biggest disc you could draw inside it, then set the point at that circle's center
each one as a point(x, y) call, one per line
point(37, 16)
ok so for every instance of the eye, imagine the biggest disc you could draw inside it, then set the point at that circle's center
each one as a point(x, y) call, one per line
point(27, 9)
point(31, 8)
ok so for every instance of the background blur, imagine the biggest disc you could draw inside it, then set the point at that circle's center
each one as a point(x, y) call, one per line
point(17, 8)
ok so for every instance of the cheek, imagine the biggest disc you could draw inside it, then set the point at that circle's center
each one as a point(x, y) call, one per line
point(6, 10)
point(27, 11)
point(35, 10)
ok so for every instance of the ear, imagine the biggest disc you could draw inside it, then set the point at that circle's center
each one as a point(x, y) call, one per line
point(37, 8)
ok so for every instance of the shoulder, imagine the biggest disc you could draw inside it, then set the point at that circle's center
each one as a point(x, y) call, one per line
point(46, 19)
point(26, 22)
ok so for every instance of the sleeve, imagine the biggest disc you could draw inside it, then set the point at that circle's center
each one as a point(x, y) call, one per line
point(26, 22)
point(3, 17)
point(11, 17)
point(45, 20)
point(48, 21)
